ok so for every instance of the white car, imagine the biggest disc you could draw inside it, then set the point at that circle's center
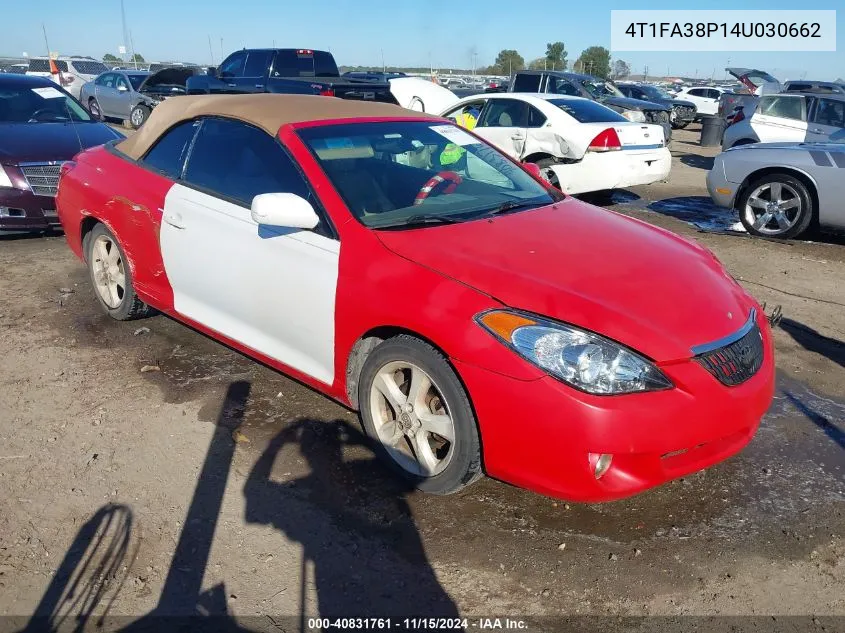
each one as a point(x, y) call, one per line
point(73, 71)
point(786, 117)
point(421, 95)
point(705, 98)
point(578, 144)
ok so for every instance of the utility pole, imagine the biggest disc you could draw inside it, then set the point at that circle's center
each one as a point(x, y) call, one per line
point(383, 67)
point(222, 56)
point(132, 48)
point(210, 50)
point(125, 31)
point(46, 43)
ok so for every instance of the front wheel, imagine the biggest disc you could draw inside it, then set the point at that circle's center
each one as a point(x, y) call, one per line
point(776, 205)
point(112, 277)
point(138, 116)
point(415, 407)
point(94, 109)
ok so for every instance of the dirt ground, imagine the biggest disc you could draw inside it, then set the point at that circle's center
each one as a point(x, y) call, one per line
point(217, 486)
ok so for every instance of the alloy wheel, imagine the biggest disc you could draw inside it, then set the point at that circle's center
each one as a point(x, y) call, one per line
point(137, 117)
point(412, 418)
point(773, 208)
point(109, 273)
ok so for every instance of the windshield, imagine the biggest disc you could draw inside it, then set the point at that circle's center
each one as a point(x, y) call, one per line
point(599, 89)
point(44, 104)
point(586, 111)
point(655, 93)
point(136, 80)
point(400, 174)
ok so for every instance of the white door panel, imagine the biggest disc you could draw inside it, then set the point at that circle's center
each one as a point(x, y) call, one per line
point(510, 140)
point(770, 129)
point(269, 288)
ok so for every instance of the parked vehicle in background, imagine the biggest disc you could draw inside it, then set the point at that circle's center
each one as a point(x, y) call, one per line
point(286, 71)
point(73, 71)
point(821, 87)
point(579, 145)
point(374, 76)
point(131, 96)
point(589, 87)
point(705, 98)
point(157, 66)
point(781, 189)
point(756, 83)
point(421, 95)
point(682, 112)
point(15, 69)
point(467, 297)
point(41, 127)
point(789, 117)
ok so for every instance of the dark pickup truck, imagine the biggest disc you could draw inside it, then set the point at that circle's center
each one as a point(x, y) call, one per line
point(286, 71)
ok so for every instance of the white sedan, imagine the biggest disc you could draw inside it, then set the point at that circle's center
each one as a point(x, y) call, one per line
point(421, 95)
point(578, 144)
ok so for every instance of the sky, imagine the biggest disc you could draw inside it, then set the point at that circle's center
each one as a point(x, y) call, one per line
point(441, 33)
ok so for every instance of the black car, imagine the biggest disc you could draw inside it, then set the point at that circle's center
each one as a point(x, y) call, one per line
point(372, 75)
point(683, 112)
point(595, 88)
point(41, 127)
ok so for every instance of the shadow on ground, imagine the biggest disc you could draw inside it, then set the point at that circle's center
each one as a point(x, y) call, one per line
point(699, 162)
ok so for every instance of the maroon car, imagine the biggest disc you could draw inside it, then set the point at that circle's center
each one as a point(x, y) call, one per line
point(41, 126)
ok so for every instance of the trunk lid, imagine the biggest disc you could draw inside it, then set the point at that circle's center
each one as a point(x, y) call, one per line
point(758, 82)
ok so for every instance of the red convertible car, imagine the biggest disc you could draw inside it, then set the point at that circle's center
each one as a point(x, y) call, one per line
point(478, 319)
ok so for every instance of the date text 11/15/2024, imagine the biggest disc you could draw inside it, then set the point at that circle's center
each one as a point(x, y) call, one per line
point(416, 624)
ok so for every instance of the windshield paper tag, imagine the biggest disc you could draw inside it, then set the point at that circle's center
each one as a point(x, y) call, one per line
point(48, 93)
point(454, 134)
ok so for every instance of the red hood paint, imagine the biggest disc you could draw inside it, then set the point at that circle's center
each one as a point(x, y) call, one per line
point(643, 286)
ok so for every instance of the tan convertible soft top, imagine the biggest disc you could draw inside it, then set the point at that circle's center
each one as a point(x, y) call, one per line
point(267, 111)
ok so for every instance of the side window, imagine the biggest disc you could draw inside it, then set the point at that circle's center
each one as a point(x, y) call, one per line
point(696, 92)
point(714, 94)
point(233, 66)
point(505, 113)
point(783, 107)
point(101, 80)
point(535, 117)
point(560, 86)
point(526, 83)
point(238, 162)
point(830, 112)
point(257, 63)
point(121, 81)
point(108, 81)
point(168, 154)
point(467, 115)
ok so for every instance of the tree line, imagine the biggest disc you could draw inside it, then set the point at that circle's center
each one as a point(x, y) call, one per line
point(594, 60)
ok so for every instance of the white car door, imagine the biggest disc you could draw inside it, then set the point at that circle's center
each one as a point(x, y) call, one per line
point(268, 288)
point(827, 121)
point(504, 122)
point(780, 118)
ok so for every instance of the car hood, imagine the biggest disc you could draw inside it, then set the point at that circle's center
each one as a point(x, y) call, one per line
point(34, 142)
point(632, 104)
point(176, 76)
point(638, 284)
point(681, 102)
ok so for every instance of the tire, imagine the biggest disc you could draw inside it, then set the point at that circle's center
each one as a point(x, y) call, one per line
point(544, 164)
point(787, 220)
point(95, 110)
point(138, 116)
point(118, 299)
point(398, 432)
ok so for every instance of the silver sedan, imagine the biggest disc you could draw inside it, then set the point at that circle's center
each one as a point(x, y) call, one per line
point(117, 94)
point(781, 189)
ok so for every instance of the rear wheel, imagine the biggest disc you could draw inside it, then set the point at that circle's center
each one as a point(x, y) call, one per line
point(94, 109)
point(415, 407)
point(139, 115)
point(112, 277)
point(776, 205)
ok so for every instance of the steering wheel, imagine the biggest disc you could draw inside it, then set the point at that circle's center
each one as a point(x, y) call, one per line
point(35, 115)
point(449, 178)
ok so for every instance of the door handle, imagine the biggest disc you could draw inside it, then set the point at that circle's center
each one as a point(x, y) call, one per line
point(259, 85)
point(174, 219)
point(232, 85)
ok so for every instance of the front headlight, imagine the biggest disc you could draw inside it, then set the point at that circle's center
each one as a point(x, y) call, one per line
point(635, 116)
point(5, 181)
point(579, 358)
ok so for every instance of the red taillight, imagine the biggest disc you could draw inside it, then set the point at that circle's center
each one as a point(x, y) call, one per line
point(327, 92)
point(606, 141)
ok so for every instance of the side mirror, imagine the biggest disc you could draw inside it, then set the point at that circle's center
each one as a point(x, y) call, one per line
point(122, 88)
point(211, 71)
point(285, 210)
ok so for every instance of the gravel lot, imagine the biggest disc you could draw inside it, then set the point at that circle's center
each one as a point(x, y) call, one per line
point(215, 485)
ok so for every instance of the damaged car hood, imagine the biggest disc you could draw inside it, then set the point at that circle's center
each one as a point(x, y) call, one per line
point(169, 80)
point(638, 284)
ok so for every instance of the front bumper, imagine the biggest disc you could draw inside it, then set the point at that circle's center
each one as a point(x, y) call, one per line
point(542, 434)
point(23, 211)
point(721, 190)
point(599, 171)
